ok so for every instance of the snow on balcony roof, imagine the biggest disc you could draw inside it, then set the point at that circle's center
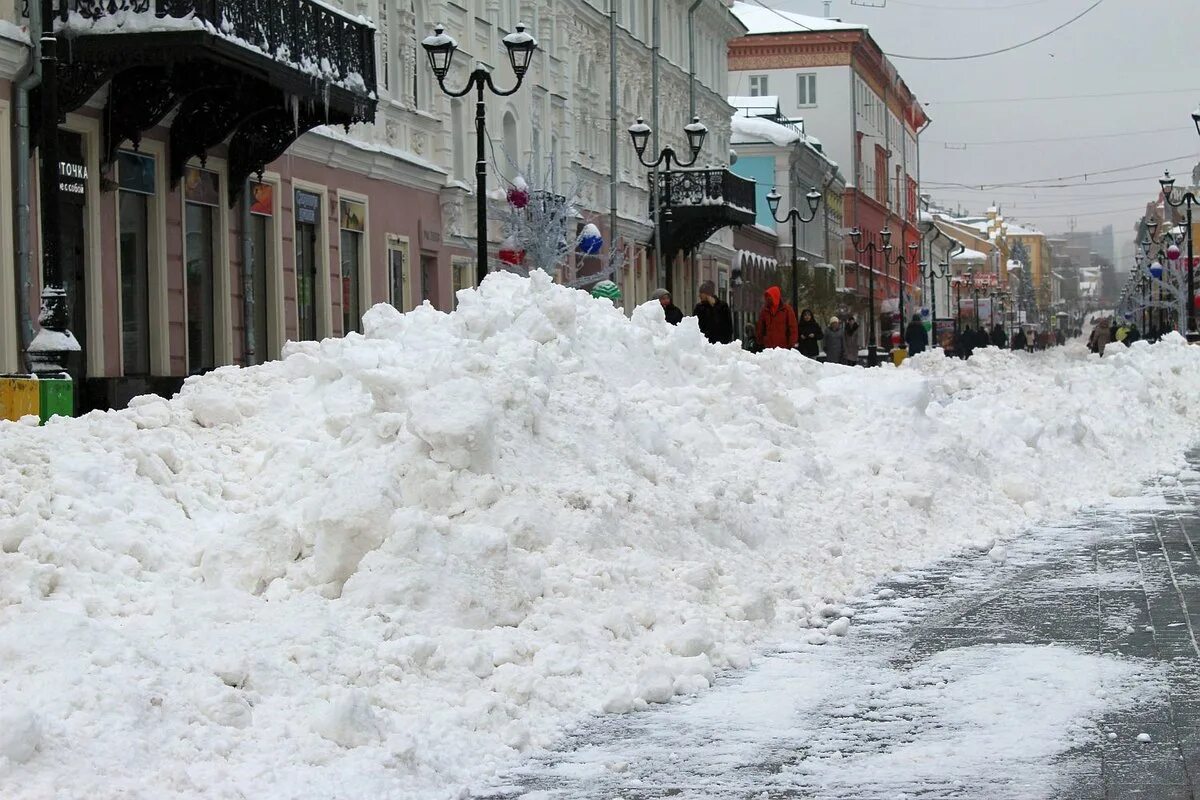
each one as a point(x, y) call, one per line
point(971, 255)
point(757, 129)
point(764, 20)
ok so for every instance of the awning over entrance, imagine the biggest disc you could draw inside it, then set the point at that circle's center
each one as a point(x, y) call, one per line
point(258, 73)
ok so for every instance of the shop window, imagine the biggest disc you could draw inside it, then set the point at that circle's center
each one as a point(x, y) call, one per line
point(202, 193)
point(262, 226)
point(399, 287)
point(353, 216)
point(136, 179)
point(463, 276)
point(308, 217)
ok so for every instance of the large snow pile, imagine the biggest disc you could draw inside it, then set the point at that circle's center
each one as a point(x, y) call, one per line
point(386, 565)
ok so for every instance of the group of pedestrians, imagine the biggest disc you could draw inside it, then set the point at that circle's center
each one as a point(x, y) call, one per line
point(1126, 332)
point(777, 326)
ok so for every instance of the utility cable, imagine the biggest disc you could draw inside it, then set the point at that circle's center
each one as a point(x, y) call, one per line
point(1085, 12)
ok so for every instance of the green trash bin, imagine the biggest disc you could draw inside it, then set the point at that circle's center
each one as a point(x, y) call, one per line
point(58, 397)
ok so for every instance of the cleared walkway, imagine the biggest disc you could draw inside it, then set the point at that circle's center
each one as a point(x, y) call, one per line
point(1066, 665)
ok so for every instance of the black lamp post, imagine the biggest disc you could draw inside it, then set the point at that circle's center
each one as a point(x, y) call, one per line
point(932, 273)
point(440, 47)
point(885, 236)
point(640, 133)
point(901, 262)
point(52, 345)
point(794, 216)
point(1187, 199)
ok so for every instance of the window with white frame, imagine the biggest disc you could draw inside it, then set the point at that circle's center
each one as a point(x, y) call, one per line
point(202, 199)
point(806, 90)
point(758, 85)
point(399, 282)
point(353, 223)
point(136, 178)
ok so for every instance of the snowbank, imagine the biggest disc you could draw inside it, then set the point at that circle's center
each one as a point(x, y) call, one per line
point(386, 565)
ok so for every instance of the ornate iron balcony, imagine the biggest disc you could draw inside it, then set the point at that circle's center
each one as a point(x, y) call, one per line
point(702, 201)
point(309, 36)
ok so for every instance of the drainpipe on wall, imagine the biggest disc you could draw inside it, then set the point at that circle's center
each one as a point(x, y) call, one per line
point(247, 279)
point(612, 125)
point(29, 80)
point(692, 58)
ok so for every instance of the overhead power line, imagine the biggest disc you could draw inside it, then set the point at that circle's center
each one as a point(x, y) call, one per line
point(1059, 138)
point(1033, 182)
point(1085, 12)
point(991, 100)
point(970, 8)
point(1008, 49)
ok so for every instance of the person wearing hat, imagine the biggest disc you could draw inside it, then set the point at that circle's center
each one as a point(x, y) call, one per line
point(607, 290)
point(713, 315)
point(835, 342)
point(674, 315)
point(776, 322)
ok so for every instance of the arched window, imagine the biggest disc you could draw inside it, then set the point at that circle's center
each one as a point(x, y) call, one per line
point(510, 162)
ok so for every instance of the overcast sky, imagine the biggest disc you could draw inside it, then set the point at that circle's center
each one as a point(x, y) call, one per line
point(1145, 47)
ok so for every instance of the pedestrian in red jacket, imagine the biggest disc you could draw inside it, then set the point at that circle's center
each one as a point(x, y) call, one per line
point(776, 322)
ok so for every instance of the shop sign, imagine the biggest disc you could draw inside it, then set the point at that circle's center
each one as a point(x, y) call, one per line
point(353, 216)
point(72, 170)
point(202, 186)
point(262, 199)
point(135, 172)
point(308, 207)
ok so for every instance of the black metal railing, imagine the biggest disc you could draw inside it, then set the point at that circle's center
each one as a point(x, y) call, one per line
point(693, 188)
point(309, 36)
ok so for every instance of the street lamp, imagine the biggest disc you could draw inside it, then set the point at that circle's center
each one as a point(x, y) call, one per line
point(640, 133)
point(54, 343)
point(1187, 199)
point(441, 47)
point(870, 248)
point(794, 216)
point(1196, 118)
point(901, 262)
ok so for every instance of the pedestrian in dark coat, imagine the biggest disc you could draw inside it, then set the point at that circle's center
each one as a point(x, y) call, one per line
point(713, 315)
point(915, 336)
point(967, 342)
point(1019, 341)
point(809, 334)
point(672, 312)
point(776, 322)
point(999, 337)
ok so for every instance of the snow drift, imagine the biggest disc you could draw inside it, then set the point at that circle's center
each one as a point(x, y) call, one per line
point(386, 565)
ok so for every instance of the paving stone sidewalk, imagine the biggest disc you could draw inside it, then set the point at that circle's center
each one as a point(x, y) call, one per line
point(1123, 582)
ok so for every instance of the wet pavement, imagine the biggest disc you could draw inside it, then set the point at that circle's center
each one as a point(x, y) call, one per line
point(1064, 665)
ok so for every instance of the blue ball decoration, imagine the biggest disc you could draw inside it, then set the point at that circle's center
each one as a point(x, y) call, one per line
point(1156, 271)
point(591, 242)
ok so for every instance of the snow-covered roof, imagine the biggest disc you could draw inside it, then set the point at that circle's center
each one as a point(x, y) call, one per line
point(757, 129)
point(971, 255)
point(765, 20)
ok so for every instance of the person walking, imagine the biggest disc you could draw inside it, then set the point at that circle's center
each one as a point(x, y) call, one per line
point(713, 315)
point(999, 337)
point(835, 342)
point(810, 334)
point(967, 342)
point(915, 336)
point(776, 322)
point(673, 314)
point(1019, 341)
